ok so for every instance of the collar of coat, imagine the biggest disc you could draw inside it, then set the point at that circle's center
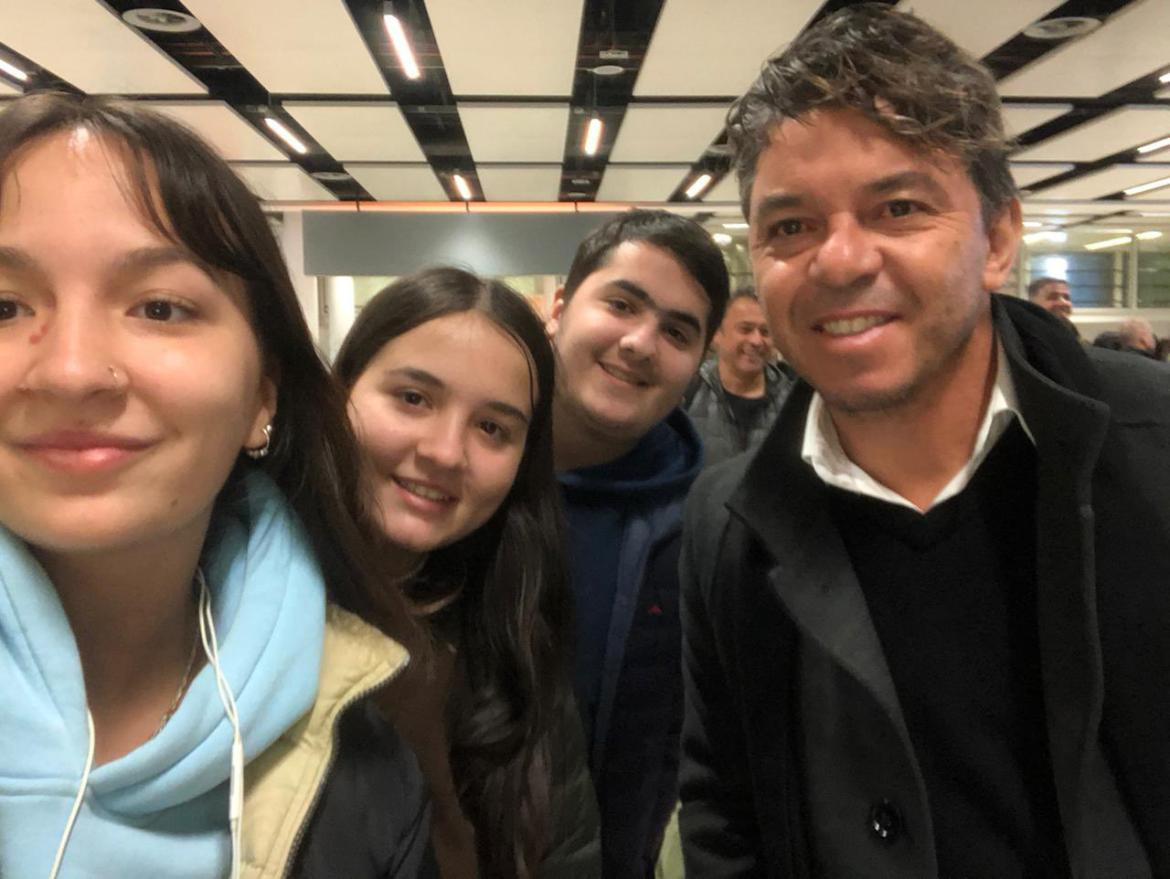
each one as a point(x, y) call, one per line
point(281, 785)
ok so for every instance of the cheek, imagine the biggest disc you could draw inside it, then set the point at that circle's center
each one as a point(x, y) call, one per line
point(497, 473)
point(385, 438)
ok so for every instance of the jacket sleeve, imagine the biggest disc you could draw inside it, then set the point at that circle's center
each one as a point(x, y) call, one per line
point(720, 836)
point(576, 844)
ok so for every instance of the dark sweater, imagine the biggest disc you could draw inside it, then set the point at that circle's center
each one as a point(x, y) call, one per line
point(952, 594)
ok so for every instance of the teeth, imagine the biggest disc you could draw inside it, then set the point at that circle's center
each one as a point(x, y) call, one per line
point(423, 491)
point(851, 326)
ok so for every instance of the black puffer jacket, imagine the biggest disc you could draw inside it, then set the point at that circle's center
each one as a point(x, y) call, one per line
point(724, 437)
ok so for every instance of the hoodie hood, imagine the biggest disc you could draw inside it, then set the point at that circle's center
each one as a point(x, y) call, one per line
point(160, 810)
point(665, 461)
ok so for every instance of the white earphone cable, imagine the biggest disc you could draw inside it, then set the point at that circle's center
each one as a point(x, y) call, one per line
point(77, 800)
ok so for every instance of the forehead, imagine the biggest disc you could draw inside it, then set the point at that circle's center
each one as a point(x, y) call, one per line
point(744, 309)
point(469, 352)
point(657, 272)
point(1054, 287)
point(835, 149)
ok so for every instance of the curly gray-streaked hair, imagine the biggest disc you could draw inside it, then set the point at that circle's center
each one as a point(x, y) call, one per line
point(897, 70)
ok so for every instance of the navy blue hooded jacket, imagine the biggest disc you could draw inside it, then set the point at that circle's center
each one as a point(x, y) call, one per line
point(625, 521)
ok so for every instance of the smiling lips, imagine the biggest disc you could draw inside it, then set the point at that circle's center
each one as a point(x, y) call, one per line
point(851, 326)
point(624, 375)
point(423, 490)
point(83, 451)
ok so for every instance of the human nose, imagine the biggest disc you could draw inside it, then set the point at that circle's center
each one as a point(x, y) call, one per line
point(640, 339)
point(74, 355)
point(443, 443)
point(847, 256)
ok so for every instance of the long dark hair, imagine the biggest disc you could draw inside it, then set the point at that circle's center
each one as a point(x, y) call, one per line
point(190, 195)
point(510, 615)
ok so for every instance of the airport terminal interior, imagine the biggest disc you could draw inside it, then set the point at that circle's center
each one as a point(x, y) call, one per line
point(383, 137)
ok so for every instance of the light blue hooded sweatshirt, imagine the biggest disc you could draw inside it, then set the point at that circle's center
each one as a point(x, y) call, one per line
point(160, 811)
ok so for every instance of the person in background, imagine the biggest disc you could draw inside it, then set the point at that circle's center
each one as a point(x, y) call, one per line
point(1138, 335)
point(450, 382)
point(641, 301)
point(1052, 295)
point(182, 548)
point(926, 626)
point(735, 397)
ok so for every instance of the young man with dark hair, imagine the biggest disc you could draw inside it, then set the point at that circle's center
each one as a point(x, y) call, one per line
point(735, 397)
point(638, 309)
point(926, 627)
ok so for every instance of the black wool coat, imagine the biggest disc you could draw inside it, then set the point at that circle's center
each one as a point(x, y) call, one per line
point(794, 746)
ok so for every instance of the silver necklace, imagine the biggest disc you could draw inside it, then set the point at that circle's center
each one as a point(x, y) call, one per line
point(184, 682)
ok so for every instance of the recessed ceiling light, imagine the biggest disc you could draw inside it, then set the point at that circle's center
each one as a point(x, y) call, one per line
point(1149, 236)
point(607, 70)
point(461, 185)
point(1165, 77)
point(165, 21)
point(282, 131)
point(13, 71)
point(576, 195)
point(1154, 145)
point(698, 186)
point(331, 176)
point(401, 44)
point(1109, 242)
point(1062, 28)
point(1147, 187)
point(592, 136)
point(580, 181)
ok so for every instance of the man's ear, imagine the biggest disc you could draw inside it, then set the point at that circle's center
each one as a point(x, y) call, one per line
point(1003, 241)
point(554, 313)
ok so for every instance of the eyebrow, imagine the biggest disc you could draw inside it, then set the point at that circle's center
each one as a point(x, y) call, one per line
point(144, 259)
point(17, 260)
point(422, 377)
point(141, 259)
point(636, 291)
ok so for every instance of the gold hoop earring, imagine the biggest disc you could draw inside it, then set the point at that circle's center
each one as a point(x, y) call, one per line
point(262, 450)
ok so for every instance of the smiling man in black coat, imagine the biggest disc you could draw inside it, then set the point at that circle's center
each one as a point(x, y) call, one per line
point(927, 624)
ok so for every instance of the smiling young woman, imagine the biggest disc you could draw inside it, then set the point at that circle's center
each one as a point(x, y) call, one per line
point(450, 382)
point(182, 541)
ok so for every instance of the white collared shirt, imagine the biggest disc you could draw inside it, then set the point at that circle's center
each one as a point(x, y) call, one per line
point(822, 450)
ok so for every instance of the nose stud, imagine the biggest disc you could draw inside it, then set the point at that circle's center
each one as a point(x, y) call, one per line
point(118, 380)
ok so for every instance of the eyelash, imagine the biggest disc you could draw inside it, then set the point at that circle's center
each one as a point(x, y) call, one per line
point(17, 308)
point(186, 310)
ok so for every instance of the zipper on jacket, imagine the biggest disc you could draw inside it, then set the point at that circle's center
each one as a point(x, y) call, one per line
point(331, 759)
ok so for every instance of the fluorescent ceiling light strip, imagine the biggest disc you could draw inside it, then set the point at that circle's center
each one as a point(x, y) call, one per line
point(1165, 77)
point(1146, 187)
point(1149, 236)
point(721, 238)
point(280, 130)
point(401, 46)
point(13, 71)
point(1155, 145)
point(745, 225)
point(1033, 224)
point(593, 136)
point(461, 185)
point(698, 186)
point(1109, 242)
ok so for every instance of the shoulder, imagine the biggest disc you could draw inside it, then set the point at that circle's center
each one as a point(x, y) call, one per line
point(1136, 388)
point(706, 503)
point(372, 816)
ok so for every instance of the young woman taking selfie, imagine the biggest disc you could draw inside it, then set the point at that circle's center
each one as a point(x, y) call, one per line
point(182, 545)
point(450, 382)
